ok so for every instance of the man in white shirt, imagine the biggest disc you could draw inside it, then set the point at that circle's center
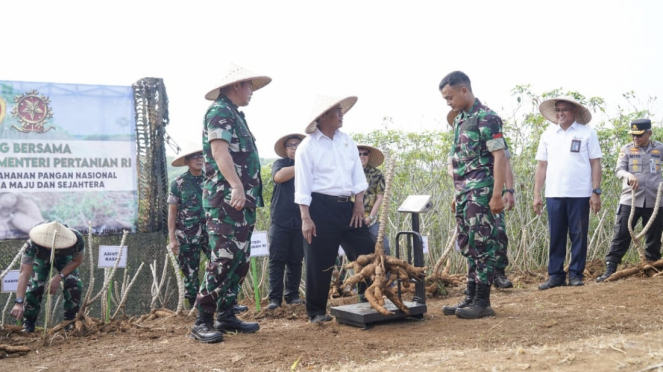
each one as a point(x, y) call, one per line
point(569, 162)
point(329, 188)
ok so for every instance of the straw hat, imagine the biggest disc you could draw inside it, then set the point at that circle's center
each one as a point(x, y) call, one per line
point(279, 146)
point(180, 161)
point(42, 235)
point(375, 158)
point(451, 116)
point(547, 109)
point(236, 74)
point(323, 104)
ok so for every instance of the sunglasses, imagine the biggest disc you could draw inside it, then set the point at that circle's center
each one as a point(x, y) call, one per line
point(292, 145)
point(195, 156)
point(364, 153)
point(637, 135)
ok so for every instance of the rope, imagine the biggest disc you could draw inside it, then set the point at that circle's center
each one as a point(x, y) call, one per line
point(636, 238)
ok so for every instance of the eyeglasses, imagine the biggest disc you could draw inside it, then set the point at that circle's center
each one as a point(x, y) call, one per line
point(565, 109)
point(364, 153)
point(292, 145)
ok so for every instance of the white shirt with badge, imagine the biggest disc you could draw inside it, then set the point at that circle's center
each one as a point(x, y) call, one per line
point(329, 166)
point(567, 152)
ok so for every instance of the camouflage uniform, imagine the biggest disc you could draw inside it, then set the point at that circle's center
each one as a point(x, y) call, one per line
point(39, 257)
point(229, 229)
point(376, 186)
point(476, 134)
point(187, 193)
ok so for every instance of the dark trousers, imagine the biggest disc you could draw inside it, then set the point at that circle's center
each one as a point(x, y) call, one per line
point(622, 238)
point(332, 224)
point(286, 252)
point(568, 216)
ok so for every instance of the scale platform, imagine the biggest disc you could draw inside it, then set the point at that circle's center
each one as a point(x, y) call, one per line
point(362, 314)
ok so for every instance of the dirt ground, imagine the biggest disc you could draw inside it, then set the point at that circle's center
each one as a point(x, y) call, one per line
point(599, 327)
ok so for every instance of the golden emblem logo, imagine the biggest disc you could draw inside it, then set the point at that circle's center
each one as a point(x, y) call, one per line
point(634, 127)
point(32, 111)
point(3, 109)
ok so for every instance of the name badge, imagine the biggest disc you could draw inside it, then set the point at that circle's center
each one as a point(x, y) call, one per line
point(575, 145)
point(652, 166)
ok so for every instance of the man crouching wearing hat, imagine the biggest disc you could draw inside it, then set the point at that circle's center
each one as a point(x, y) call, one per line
point(232, 191)
point(186, 220)
point(69, 249)
point(328, 176)
point(639, 166)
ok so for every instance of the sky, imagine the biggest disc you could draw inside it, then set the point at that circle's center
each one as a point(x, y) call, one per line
point(391, 54)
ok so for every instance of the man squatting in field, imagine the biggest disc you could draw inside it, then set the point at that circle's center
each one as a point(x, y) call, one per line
point(232, 191)
point(69, 251)
point(479, 167)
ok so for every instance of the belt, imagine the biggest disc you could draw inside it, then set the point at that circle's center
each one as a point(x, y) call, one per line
point(339, 199)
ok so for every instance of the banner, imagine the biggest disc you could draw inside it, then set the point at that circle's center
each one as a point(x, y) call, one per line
point(67, 153)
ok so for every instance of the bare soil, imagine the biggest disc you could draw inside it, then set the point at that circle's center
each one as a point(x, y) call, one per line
point(599, 327)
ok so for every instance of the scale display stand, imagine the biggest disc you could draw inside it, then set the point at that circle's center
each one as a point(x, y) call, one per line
point(362, 314)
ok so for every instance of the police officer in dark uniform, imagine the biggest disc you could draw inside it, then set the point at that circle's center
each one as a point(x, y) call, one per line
point(286, 242)
point(639, 166)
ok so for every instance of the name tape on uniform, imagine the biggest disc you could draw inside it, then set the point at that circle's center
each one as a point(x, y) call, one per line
point(108, 255)
point(259, 244)
point(10, 281)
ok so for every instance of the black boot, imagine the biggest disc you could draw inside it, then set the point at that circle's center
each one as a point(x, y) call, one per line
point(501, 281)
point(70, 315)
point(610, 268)
point(226, 321)
point(29, 325)
point(480, 306)
point(203, 330)
point(469, 296)
point(238, 309)
point(191, 302)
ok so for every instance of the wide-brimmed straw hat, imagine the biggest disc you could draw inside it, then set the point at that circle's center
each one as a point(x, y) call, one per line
point(279, 146)
point(547, 109)
point(42, 235)
point(375, 158)
point(236, 74)
point(322, 104)
point(180, 161)
point(451, 116)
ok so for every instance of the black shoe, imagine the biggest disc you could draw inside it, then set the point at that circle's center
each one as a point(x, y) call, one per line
point(226, 321)
point(69, 316)
point(273, 304)
point(467, 301)
point(238, 309)
point(191, 303)
point(610, 268)
point(576, 281)
point(552, 282)
point(501, 281)
point(321, 318)
point(29, 325)
point(203, 330)
point(480, 306)
point(294, 301)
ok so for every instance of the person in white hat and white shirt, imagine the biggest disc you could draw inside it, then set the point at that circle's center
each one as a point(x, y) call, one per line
point(67, 248)
point(569, 162)
point(329, 188)
point(232, 191)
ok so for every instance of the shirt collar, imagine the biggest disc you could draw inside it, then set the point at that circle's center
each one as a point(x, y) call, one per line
point(227, 101)
point(317, 134)
point(573, 126)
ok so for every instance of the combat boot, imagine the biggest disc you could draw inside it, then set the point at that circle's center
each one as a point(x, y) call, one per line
point(226, 321)
point(29, 325)
point(501, 281)
point(469, 296)
point(70, 315)
point(610, 268)
point(480, 307)
point(203, 330)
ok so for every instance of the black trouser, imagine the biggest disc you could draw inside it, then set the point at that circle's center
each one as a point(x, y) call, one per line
point(622, 239)
point(332, 224)
point(286, 251)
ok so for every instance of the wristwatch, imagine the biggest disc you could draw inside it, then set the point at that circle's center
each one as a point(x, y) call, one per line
point(512, 191)
point(597, 191)
point(61, 275)
point(18, 300)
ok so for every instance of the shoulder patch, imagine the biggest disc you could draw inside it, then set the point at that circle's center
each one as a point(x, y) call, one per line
point(622, 154)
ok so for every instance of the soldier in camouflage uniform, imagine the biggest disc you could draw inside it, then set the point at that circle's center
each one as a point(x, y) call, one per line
point(232, 191)
point(36, 264)
point(186, 220)
point(479, 169)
